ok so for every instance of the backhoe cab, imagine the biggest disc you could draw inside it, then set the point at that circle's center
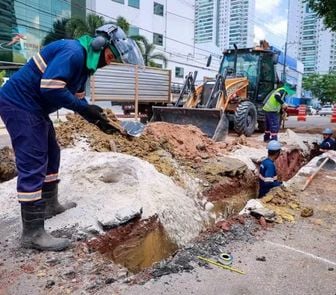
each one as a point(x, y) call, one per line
point(235, 97)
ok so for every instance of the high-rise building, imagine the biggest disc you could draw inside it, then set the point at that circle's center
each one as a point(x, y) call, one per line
point(224, 23)
point(309, 40)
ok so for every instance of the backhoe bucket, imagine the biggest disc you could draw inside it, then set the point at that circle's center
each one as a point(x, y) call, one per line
point(211, 121)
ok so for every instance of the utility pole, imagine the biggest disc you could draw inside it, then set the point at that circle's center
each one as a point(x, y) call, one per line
point(284, 64)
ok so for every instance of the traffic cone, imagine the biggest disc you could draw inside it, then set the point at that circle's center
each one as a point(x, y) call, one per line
point(302, 113)
point(333, 115)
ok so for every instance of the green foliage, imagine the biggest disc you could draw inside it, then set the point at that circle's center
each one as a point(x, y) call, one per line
point(147, 51)
point(124, 24)
point(322, 87)
point(325, 9)
point(72, 28)
point(2, 75)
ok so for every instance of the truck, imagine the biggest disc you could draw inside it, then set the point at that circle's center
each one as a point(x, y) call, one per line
point(135, 88)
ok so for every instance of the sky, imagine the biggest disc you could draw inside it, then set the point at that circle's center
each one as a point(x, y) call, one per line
point(271, 21)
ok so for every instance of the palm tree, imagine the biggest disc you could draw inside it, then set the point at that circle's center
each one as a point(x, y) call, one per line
point(147, 51)
point(71, 28)
point(58, 31)
point(124, 24)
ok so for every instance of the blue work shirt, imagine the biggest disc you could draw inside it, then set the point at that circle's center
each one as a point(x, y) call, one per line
point(327, 144)
point(50, 80)
point(267, 177)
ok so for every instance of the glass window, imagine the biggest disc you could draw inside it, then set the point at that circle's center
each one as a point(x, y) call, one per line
point(157, 39)
point(179, 72)
point(133, 31)
point(119, 1)
point(158, 9)
point(134, 3)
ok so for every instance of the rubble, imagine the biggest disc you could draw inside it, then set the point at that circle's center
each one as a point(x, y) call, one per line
point(7, 164)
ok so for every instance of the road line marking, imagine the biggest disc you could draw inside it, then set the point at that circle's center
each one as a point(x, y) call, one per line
point(303, 252)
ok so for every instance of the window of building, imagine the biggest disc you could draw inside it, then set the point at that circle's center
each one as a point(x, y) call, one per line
point(133, 31)
point(119, 1)
point(134, 3)
point(157, 39)
point(158, 9)
point(179, 72)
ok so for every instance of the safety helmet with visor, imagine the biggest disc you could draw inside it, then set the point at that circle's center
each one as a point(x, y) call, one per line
point(124, 48)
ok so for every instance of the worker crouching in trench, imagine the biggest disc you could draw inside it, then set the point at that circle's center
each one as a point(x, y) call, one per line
point(54, 78)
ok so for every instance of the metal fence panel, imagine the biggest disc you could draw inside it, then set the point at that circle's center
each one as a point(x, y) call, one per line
point(129, 83)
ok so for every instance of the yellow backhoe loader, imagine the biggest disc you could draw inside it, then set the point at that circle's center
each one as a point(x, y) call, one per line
point(245, 78)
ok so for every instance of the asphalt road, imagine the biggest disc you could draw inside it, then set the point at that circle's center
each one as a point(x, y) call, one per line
point(312, 122)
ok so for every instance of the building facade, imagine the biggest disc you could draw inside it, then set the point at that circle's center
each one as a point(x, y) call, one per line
point(309, 40)
point(170, 26)
point(24, 24)
point(224, 23)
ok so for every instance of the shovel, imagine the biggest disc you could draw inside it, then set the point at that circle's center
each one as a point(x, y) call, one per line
point(131, 128)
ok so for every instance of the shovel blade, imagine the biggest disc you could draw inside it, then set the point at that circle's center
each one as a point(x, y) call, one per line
point(133, 128)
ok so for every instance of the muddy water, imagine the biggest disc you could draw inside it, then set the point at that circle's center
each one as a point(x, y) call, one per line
point(136, 245)
point(139, 253)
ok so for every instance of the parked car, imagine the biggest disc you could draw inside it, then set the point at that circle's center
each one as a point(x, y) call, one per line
point(311, 110)
point(326, 110)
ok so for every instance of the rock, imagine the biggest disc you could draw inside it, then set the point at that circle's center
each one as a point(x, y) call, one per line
point(49, 284)
point(331, 269)
point(209, 206)
point(262, 222)
point(307, 212)
point(109, 281)
point(262, 258)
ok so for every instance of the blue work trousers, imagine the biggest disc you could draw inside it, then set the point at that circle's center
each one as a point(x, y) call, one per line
point(37, 153)
point(272, 126)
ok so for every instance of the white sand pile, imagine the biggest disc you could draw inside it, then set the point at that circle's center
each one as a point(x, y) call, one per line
point(109, 188)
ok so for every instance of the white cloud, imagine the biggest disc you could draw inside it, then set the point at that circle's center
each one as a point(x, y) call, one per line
point(259, 34)
point(278, 27)
point(267, 6)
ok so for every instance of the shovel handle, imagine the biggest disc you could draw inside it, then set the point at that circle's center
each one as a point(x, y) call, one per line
point(310, 178)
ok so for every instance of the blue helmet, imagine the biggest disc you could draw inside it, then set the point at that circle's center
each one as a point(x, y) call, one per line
point(274, 145)
point(327, 131)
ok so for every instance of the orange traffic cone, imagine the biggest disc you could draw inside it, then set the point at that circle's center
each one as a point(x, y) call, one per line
point(333, 115)
point(302, 113)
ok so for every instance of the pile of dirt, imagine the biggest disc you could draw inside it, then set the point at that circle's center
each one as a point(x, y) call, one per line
point(284, 202)
point(158, 145)
point(7, 164)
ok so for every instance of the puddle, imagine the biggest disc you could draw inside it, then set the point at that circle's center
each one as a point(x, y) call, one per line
point(136, 245)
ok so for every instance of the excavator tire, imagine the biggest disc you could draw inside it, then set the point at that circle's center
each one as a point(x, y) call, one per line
point(245, 118)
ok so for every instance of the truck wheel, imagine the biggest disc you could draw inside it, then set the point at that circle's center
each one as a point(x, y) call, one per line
point(245, 118)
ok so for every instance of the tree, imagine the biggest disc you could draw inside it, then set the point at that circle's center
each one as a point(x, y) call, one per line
point(322, 87)
point(325, 9)
point(147, 51)
point(71, 28)
point(124, 24)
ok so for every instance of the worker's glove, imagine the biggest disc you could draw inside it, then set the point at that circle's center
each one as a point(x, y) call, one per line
point(95, 114)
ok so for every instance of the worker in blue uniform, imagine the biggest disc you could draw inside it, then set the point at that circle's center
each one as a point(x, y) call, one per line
point(267, 172)
point(328, 142)
point(275, 102)
point(54, 78)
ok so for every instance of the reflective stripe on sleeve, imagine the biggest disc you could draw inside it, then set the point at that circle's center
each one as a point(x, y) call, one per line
point(29, 197)
point(268, 179)
point(50, 83)
point(40, 63)
point(51, 177)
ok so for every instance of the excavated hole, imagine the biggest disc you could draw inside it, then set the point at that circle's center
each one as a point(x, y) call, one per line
point(136, 245)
